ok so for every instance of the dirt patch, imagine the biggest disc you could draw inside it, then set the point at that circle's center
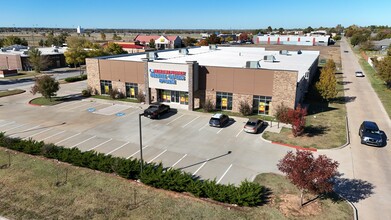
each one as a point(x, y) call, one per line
point(289, 205)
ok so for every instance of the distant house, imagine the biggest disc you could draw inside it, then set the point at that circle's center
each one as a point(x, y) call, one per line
point(131, 47)
point(382, 44)
point(161, 42)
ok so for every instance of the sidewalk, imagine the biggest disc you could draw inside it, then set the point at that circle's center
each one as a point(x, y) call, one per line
point(276, 126)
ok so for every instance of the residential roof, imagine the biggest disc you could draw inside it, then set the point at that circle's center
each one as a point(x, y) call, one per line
point(234, 57)
point(129, 45)
point(147, 38)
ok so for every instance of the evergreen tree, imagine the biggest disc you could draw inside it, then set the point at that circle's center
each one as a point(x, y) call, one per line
point(327, 84)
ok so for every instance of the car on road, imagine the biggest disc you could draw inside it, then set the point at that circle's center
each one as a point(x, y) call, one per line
point(370, 134)
point(219, 120)
point(155, 111)
point(253, 125)
point(345, 51)
point(359, 74)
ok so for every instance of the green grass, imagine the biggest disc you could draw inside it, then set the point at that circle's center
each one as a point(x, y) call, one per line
point(44, 101)
point(11, 92)
point(106, 97)
point(35, 188)
point(22, 74)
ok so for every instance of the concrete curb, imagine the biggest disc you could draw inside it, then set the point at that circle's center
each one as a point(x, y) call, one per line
point(296, 147)
point(34, 104)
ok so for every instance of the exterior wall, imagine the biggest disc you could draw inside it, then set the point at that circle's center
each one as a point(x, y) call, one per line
point(210, 95)
point(124, 71)
point(237, 98)
point(93, 78)
point(302, 86)
point(154, 96)
point(293, 40)
point(199, 99)
point(284, 89)
point(119, 86)
point(10, 61)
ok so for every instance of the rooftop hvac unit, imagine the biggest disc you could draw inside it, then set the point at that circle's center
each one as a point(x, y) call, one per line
point(269, 58)
point(3, 50)
point(283, 52)
point(15, 49)
point(152, 55)
point(184, 51)
point(55, 50)
point(212, 47)
point(25, 52)
point(299, 52)
point(253, 64)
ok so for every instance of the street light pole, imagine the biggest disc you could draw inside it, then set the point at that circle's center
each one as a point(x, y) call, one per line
point(141, 143)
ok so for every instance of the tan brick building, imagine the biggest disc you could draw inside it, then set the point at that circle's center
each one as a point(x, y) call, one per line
point(226, 76)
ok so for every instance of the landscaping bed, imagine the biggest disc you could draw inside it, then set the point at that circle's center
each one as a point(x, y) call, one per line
point(11, 92)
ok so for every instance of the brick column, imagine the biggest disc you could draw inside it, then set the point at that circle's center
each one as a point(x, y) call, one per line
point(146, 82)
point(93, 76)
point(190, 77)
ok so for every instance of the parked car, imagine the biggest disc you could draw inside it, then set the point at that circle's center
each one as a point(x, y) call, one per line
point(253, 125)
point(219, 120)
point(370, 134)
point(359, 74)
point(155, 111)
point(345, 51)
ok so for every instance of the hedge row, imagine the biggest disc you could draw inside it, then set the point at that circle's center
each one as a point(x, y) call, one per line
point(76, 78)
point(247, 194)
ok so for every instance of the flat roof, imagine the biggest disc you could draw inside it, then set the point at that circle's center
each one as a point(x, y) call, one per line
point(234, 57)
point(44, 51)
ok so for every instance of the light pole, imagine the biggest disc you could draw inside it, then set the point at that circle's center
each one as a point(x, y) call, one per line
point(141, 142)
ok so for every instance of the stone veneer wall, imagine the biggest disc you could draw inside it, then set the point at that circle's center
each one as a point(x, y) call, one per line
point(93, 78)
point(210, 95)
point(154, 97)
point(237, 98)
point(284, 89)
point(199, 99)
point(119, 86)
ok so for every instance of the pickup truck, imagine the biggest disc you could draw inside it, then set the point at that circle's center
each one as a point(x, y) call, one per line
point(155, 111)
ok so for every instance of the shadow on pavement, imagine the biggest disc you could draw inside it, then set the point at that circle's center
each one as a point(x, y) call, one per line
point(201, 162)
point(353, 190)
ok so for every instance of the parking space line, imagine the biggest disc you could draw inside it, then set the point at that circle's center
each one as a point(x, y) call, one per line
point(25, 130)
point(38, 133)
point(239, 132)
point(52, 135)
point(118, 148)
point(219, 130)
point(67, 105)
point(136, 152)
point(178, 161)
point(203, 127)
point(82, 105)
point(157, 156)
point(101, 144)
point(199, 168)
point(7, 124)
point(67, 138)
point(14, 127)
point(175, 119)
point(224, 174)
point(190, 122)
point(84, 141)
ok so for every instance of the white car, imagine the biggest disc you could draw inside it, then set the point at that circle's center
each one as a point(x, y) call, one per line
point(359, 74)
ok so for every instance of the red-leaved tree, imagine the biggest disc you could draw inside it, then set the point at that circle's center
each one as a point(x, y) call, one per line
point(297, 119)
point(308, 173)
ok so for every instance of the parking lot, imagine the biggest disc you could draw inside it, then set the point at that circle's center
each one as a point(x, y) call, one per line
point(180, 139)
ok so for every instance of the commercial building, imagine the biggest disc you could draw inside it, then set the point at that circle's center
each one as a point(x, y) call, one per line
point(226, 76)
point(130, 47)
point(161, 42)
point(312, 40)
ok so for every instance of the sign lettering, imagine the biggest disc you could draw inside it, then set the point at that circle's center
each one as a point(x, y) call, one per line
point(167, 76)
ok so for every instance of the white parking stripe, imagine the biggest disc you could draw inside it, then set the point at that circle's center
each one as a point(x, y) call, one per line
point(83, 141)
point(190, 122)
point(25, 130)
point(175, 119)
point(14, 127)
point(136, 152)
point(38, 133)
point(178, 161)
point(203, 127)
point(79, 106)
point(219, 130)
point(67, 138)
point(239, 132)
point(53, 135)
point(118, 148)
point(200, 167)
point(7, 124)
point(100, 144)
point(157, 156)
point(224, 174)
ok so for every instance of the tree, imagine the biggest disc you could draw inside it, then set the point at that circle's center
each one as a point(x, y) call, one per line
point(308, 173)
point(384, 68)
point(282, 113)
point(152, 43)
point(113, 48)
point(213, 39)
point(189, 41)
point(327, 84)
point(12, 40)
point(103, 35)
point(46, 86)
point(297, 118)
point(281, 30)
point(269, 29)
point(244, 37)
point(41, 43)
point(116, 37)
point(37, 61)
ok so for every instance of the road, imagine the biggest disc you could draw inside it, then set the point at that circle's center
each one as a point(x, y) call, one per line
point(366, 170)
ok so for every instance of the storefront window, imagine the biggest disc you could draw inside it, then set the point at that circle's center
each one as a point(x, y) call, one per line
point(131, 90)
point(174, 96)
point(105, 87)
point(224, 100)
point(261, 105)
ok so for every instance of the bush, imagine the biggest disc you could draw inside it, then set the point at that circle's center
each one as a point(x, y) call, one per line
point(245, 108)
point(115, 94)
point(282, 113)
point(140, 97)
point(208, 106)
point(76, 78)
point(87, 92)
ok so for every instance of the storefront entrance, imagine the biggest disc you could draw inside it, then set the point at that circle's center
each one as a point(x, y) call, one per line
point(173, 96)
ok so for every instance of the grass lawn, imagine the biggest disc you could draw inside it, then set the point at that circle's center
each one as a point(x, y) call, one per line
point(23, 74)
point(106, 97)
point(11, 92)
point(35, 188)
point(44, 101)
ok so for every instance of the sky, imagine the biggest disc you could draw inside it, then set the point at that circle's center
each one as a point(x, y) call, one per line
point(193, 14)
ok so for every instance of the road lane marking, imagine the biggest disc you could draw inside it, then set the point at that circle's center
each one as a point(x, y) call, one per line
point(67, 138)
point(136, 152)
point(190, 122)
point(178, 161)
point(101, 144)
point(52, 135)
point(83, 141)
point(175, 119)
point(200, 167)
point(157, 156)
point(118, 148)
point(7, 124)
point(203, 127)
point(14, 127)
point(219, 130)
point(239, 132)
point(38, 133)
point(224, 174)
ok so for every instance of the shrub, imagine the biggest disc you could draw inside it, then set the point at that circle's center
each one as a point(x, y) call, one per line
point(282, 113)
point(116, 94)
point(297, 119)
point(245, 108)
point(76, 78)
point(140, 97)
point(209, 106)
